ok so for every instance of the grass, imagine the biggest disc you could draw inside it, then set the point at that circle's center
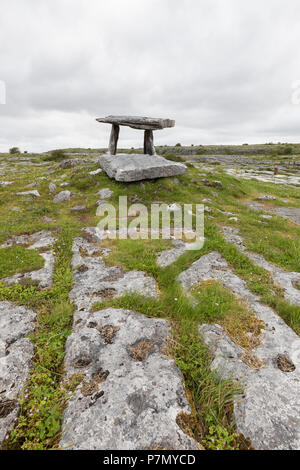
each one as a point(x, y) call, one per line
point(18, 259)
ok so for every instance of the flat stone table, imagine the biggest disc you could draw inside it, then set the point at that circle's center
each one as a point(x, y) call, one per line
point(136, 167)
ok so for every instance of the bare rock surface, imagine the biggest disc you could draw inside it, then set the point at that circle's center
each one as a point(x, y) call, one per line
point(168, 257)
point(105, 193)
point(137, 122)
point(269, 411)
point(42, 276)
point(16, 352)
point(291, 213)
point(38, 240)
point(42, 239)
point(136, 167)
point(71, 163)
point(131, 394)
point(63, 196)
point(33, 193)
point(285, 279)
point(95, 282)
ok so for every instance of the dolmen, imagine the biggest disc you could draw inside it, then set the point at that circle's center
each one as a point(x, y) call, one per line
point(137, 167)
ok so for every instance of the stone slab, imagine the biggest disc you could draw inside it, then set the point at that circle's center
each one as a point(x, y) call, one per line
point(16, 352)
point(137, 122)
point(127, 400)
point(136, 167)
point(268, 412)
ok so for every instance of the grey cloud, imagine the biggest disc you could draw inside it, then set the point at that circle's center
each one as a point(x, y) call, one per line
point(223, 70)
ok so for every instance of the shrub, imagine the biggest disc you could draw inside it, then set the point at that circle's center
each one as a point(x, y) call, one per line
point(55, 155)
point(14, 150)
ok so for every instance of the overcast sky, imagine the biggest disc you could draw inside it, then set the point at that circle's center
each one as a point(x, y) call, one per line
point(223, 69)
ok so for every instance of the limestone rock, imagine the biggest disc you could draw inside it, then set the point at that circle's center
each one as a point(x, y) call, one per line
point(284, 279)
point(134, 167)
point(78, 208)
point(96, 172)
point(269, 412)
point(131, 394)
point(168, 257)
point(52, 187)
point(42, 276)
point(33, 193)
point(37, 240)
point(62, 197)
point(94, 281)
point(16, 352)
point(105, 193)
point(137, 122)
point(72, 163)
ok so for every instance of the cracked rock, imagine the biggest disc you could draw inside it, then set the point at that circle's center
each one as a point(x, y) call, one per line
point(16, 352)
point(124, 402)
point(269, 412)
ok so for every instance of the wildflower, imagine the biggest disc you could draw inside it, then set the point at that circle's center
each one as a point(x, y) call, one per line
point(7, 436)
point(37, 411)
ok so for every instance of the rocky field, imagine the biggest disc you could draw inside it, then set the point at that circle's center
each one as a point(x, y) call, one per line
point(143, 344)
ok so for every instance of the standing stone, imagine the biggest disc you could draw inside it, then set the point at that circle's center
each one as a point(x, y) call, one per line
point(149, 148)
point(114, 136)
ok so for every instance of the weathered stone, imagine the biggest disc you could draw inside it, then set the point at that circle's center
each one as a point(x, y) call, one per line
point(34, 193)
point(266, 197)
point(127, 401)
point(290, 213)
point(105, 193)
point(136, 122)
point(16, 352)
point(149, 143)
point(93, 282)
point(62, 197)
point(52, 187)
point(96, 172)
point(78, 208)
point(284, 279)
point(3, 184)
point(42, 276)
point(134, 167)
point(168, 257)
point(72, 163)
point(269, 412)
point(113, 141)
point(37, 240)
